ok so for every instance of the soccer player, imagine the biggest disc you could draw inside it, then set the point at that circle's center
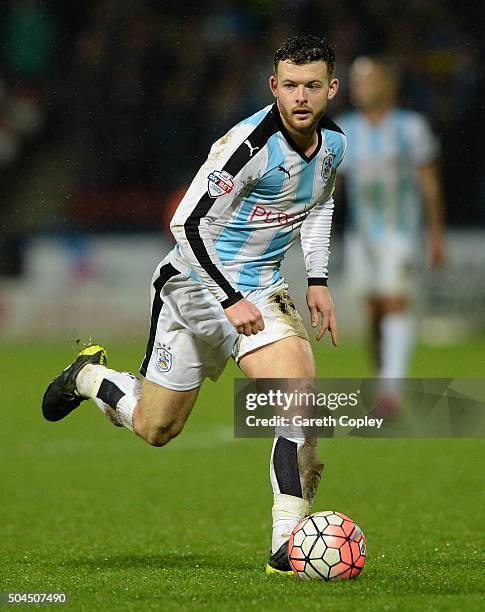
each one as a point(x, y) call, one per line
point(220, 292)
point(390, 171)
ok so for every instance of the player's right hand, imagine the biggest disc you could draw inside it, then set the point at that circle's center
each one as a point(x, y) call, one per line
point(436, 249)
point(245, 317)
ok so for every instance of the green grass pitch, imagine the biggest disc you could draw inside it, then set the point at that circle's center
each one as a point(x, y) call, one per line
point(92, 511)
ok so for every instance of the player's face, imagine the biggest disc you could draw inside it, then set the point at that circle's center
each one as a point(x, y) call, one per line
point(370, 86)
point(302, 92)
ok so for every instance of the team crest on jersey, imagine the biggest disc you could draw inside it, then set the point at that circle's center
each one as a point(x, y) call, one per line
point(220, 183)
point(164, 358)
point(327, 165)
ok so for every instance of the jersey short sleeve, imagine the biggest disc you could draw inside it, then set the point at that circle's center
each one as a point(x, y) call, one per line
point(423, 144)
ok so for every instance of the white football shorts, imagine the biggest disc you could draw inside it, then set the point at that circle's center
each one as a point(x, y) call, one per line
point(386, 268)
point(191, 338)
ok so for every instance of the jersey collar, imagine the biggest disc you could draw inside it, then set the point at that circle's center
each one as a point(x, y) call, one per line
point(291, 142)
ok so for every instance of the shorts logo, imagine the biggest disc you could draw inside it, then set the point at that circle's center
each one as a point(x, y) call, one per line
point(327, 165)
point(220, 183)
point(164, 358)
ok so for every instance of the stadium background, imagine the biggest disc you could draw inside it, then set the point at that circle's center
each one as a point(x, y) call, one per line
point(106, 110)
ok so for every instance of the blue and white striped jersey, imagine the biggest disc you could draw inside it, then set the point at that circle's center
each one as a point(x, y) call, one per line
point(250, 200)
point(380, 171)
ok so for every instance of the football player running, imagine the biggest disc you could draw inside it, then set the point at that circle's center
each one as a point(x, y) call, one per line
point(220, 292)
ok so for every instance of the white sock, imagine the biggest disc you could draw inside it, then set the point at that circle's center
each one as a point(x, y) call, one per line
point(115, 393)
point(294, 472)
point(89, 380)
point(288, 511)
point(397, 341)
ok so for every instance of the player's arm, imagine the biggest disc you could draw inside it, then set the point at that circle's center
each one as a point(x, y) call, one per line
point(432, 192)
point(217, 187)
point(424, 151)
point(315, 242)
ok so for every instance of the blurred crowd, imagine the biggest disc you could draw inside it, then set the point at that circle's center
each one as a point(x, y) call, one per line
point(137, 90)
point(28, 37)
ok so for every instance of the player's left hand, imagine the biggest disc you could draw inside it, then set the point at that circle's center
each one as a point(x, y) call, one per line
point(322, 311)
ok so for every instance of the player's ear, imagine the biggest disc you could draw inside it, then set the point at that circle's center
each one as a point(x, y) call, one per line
point(273, 84)
point(333, 89)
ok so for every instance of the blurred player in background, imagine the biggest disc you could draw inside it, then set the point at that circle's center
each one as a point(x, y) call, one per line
point(390, 171)
point(219, 292)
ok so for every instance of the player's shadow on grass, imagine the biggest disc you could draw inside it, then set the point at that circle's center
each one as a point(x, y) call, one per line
point(175, 560)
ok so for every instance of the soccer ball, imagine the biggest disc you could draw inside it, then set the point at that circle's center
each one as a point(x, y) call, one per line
point(327, 546)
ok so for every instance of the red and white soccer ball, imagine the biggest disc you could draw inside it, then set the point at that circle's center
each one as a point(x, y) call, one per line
point(327, 546)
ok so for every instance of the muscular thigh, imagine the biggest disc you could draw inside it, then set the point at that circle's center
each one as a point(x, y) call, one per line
point(286, 358)
point(289, 358)
point(161, 409)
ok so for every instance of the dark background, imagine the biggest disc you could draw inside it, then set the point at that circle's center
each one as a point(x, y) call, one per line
point(108, 107)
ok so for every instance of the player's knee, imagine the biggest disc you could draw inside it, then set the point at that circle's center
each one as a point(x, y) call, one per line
point(161, 434)
point(156, 438)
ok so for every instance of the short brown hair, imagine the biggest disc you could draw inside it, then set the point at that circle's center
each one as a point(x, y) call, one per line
point(303, 49)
